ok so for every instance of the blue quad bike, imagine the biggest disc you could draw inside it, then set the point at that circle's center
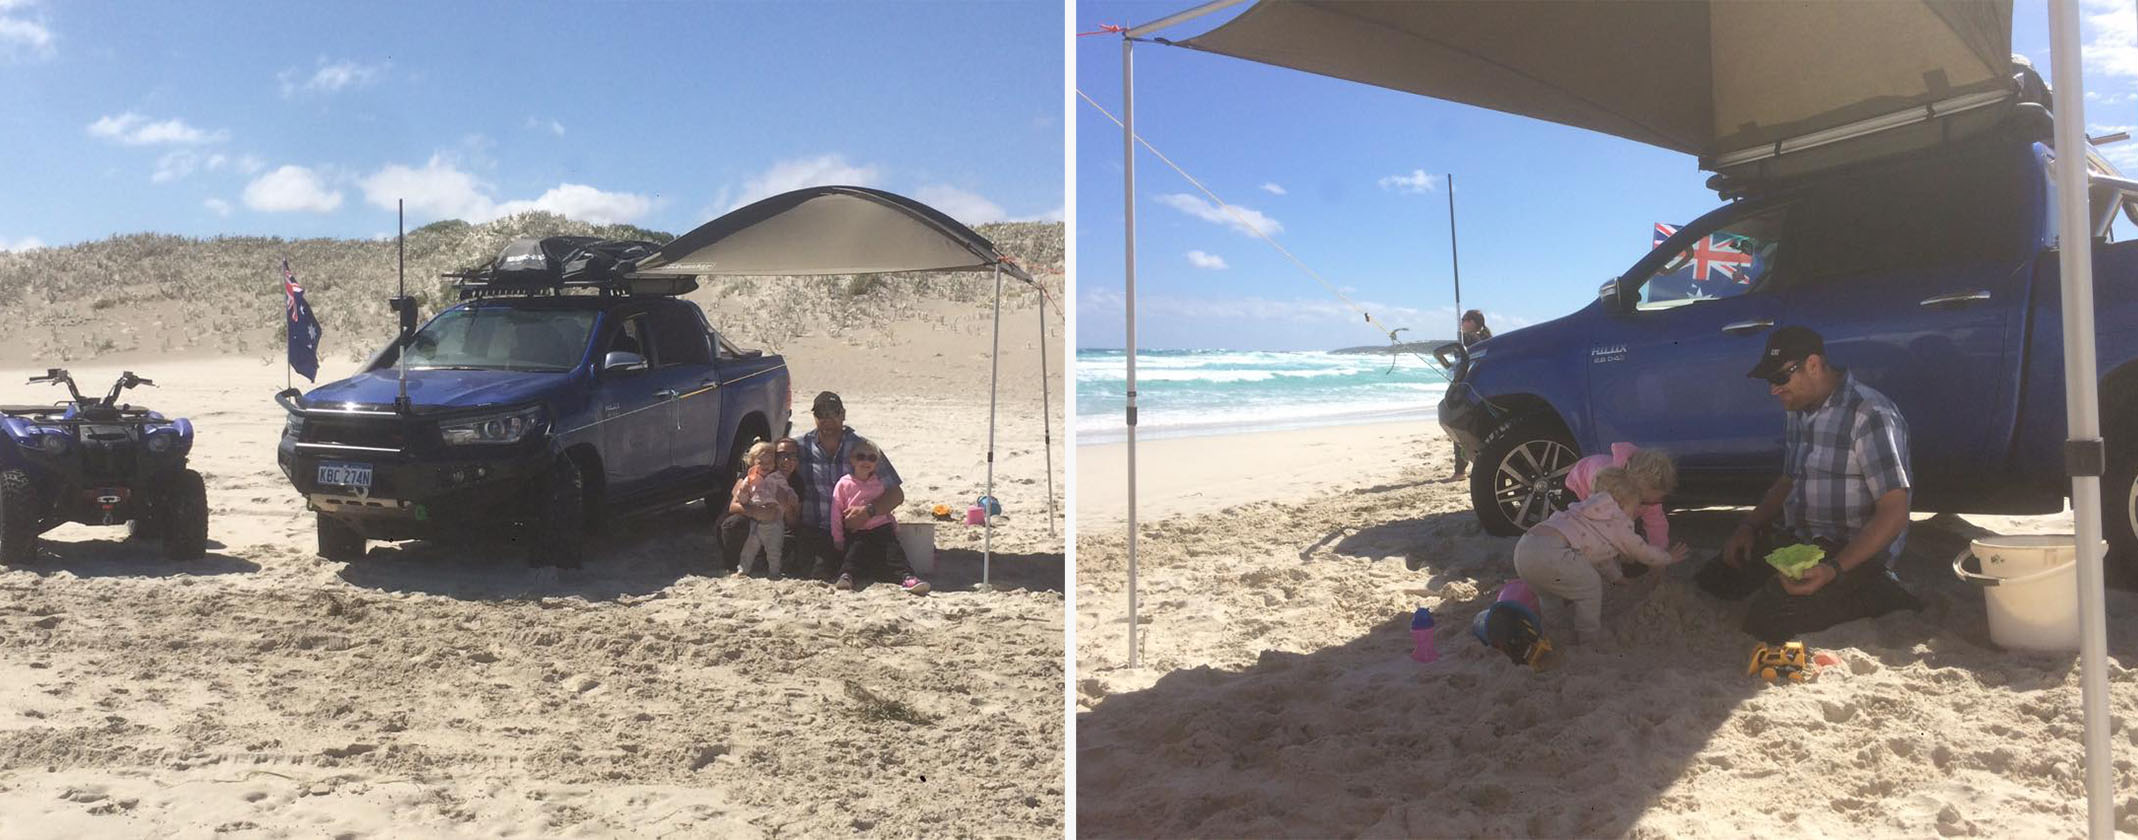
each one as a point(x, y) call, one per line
point(98, 462)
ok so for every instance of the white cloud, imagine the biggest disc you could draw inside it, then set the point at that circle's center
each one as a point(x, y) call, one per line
point(136, 130)
point(1200, 259)
point(587, 204)
point(1234, 216)
point(247, 164)
point(331, 77)
point(1416, 182)
point(24, 244)
point(442, 190)
point(217, 206)
point(20, 36)
point(795, 174)
point(180, 163)
point(291, 189)
point(960, 205)
point(439, 189)
point(2111, 44)
point(551, 126)
point(1273, 188)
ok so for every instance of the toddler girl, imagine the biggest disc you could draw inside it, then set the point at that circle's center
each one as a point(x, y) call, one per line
point(868, 545)
point(765, 489)
point(1647, 467)
point(1567, 558)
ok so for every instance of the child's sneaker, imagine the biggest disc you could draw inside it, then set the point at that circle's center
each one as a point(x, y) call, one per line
point(914, 585)
point(845, 582)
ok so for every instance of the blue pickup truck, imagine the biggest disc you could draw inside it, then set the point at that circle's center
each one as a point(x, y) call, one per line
point(553, 399)
point(1933, 277)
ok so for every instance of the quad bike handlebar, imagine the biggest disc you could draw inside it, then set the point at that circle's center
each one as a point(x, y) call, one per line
point(59, 376)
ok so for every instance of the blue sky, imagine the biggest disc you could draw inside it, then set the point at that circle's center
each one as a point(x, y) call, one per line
point(309, 119)
point(1349, 178)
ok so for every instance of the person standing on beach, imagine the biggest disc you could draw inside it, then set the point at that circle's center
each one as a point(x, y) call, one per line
point(827, 456)
point(745, 515)
point(1845, 485)
point(1471, 330)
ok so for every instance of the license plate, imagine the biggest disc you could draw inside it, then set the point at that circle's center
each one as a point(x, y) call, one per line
point(345, 475)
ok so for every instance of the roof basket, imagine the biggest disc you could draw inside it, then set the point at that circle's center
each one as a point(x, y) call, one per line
point(551, 265)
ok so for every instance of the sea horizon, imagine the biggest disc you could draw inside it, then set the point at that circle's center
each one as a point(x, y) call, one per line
point(1214, 391)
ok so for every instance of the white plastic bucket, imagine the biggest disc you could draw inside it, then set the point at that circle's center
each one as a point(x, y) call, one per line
point(2032, 584)
point(918, 539)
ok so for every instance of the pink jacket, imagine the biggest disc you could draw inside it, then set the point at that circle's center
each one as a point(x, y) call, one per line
point(1601, 534)
point(1651, 516)
point(851, 492)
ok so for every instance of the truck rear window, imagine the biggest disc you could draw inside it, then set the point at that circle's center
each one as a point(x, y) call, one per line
point(1917, 218)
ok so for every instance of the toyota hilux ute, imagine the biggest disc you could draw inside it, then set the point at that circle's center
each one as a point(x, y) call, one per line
point(557, 396)
point(1932, 275)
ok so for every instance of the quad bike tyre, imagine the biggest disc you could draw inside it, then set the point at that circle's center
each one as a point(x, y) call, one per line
point(337, 541)
point(1520, 475)
point(19, 508)
point(184, 515)
point(557, 537)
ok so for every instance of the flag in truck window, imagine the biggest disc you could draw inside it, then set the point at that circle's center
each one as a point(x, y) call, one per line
point(1719, 265)
point(303, 328)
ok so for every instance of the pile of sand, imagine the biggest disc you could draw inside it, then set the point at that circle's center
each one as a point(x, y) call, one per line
point(1276, 696)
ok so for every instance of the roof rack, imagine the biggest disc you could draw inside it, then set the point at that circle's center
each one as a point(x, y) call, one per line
point(531, 266)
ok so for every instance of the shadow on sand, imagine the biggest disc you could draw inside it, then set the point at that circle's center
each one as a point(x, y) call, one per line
point(129, 558)
point(1357, 739)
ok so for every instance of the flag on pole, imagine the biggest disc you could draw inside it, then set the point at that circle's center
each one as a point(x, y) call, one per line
point(303, 328)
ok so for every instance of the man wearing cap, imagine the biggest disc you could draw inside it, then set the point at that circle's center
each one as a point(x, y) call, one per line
point(1845, 486)
point(826, 454)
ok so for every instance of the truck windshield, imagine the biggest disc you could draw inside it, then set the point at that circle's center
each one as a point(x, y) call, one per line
point(501, 338)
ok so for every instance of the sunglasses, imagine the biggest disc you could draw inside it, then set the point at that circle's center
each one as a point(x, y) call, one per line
point(865, 457)
point(790, 454)
point(1781, 377)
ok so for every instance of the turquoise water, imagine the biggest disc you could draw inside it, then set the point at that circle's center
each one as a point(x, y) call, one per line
point(1184, 393)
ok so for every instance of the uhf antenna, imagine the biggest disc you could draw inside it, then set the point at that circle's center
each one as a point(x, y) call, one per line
point(402, 305)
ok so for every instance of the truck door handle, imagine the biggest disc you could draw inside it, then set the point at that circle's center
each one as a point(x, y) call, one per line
point(1957, 297)
point(665, 394)
point(1748, 326)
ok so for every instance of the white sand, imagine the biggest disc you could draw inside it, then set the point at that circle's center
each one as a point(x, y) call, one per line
point(1276, 696)
point(444, 690)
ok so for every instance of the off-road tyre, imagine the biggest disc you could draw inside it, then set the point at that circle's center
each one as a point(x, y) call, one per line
point(557, 536)
point(19, 512)
point(337, 541)
point(184, 511)
point(2119, 493)
point(1519, 477)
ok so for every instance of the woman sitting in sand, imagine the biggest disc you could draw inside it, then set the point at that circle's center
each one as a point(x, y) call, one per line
point(868, 545)
point(766, 497)
point(1567, 558)
point(1646, 467)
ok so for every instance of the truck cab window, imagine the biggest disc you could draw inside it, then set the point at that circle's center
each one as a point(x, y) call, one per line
point(632, 337)
point(684, 340)
point(1732, 260)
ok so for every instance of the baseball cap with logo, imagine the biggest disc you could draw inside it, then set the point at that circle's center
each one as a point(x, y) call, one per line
point(1788, 344)
point(827, 404)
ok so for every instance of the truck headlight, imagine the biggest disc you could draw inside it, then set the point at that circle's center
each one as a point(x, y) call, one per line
point(503, 427)
point(293, 427)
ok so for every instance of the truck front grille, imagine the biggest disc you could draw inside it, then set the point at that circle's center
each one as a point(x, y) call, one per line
point(381, 432)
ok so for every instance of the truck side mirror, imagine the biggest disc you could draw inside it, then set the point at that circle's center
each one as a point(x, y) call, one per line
point(620, 360)
point(405, 307)
point(1608, 293)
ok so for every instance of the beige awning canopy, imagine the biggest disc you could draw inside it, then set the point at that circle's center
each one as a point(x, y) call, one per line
point(829, 230)
point(1727, 81)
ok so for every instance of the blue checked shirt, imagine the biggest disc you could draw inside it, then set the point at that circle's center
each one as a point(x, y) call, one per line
point(1842, 456)
point(821, 471)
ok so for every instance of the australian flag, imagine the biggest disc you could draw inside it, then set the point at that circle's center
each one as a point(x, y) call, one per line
point(1718, 265)
point(303, 328)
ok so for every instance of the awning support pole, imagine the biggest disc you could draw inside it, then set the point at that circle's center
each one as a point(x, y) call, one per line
point(994, 372)
point(1128, 213)
point(1046, 409)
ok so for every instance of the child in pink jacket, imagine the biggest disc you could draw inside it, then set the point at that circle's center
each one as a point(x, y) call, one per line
point(1646, 466)
point(867, 546)
point(1568, 558)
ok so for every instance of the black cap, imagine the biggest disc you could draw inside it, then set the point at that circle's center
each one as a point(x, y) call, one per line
point(1788, 344)
point(827, 403)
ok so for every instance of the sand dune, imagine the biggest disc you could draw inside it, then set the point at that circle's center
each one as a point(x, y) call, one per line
point(1277, 698)
point(447, 690)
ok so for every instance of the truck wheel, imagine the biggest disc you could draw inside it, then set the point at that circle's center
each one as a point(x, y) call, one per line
point(2119, 509)
point(18, 517)
point(337, 541)
point(558, 537)
point(185, 517)
point(1520, 475)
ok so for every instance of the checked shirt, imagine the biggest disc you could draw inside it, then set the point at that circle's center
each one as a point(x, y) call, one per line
point(1842, 455)
point(822, 470)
